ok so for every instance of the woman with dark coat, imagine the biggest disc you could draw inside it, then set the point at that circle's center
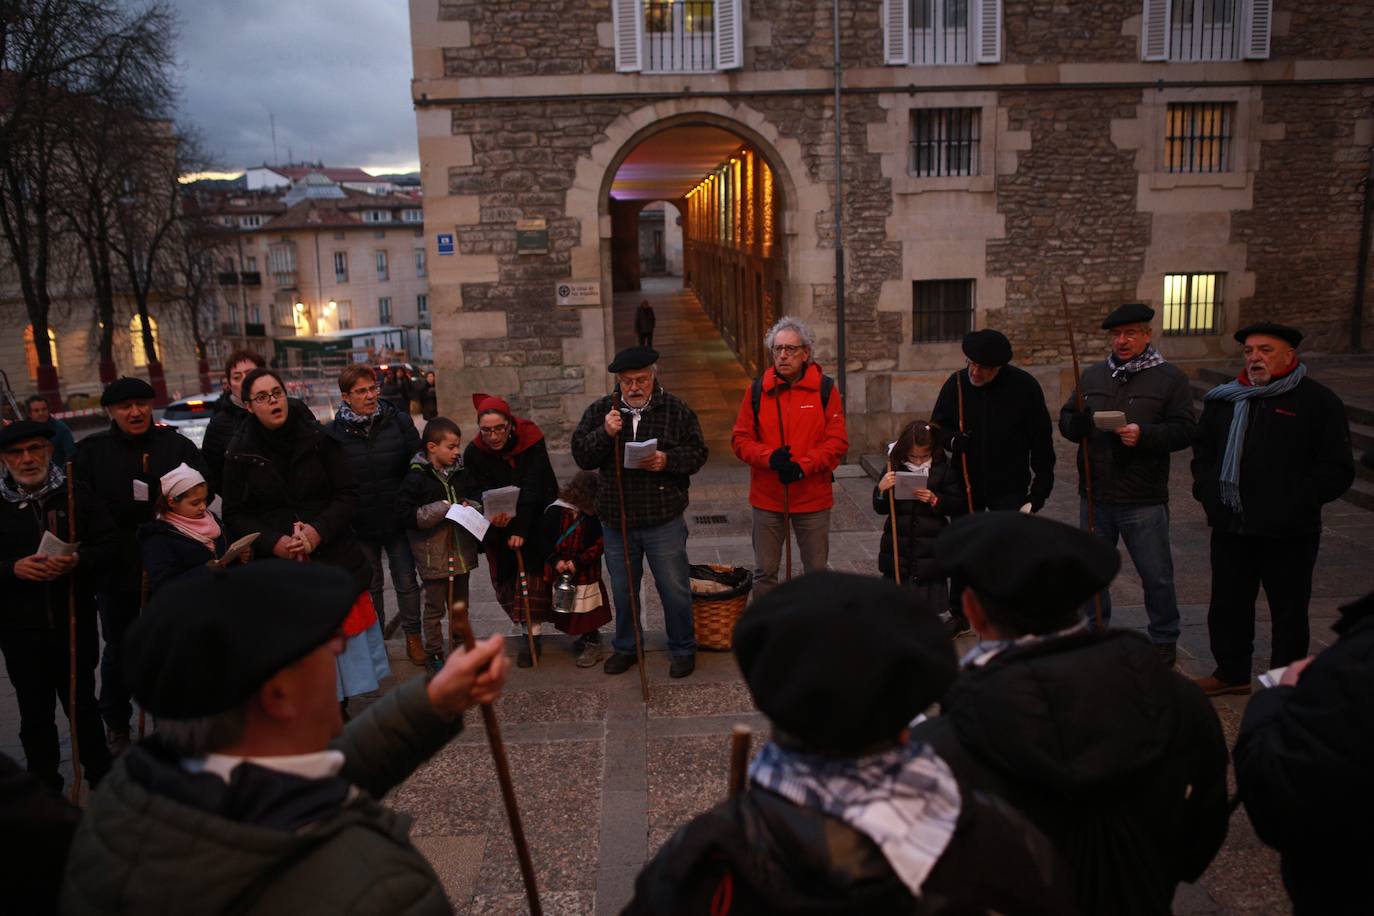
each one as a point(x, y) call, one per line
point(919, 520)
point(429, 398)
point(287, 479)
point(510, 451)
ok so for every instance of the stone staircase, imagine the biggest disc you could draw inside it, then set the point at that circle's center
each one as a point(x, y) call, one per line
point(1361, 418)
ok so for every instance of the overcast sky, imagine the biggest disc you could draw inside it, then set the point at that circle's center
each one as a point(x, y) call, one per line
point(336, 73)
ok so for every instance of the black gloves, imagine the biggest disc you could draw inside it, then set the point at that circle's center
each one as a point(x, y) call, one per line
point(959, 443)
point(1080, 424)
point(780, 458)
point(791, 473)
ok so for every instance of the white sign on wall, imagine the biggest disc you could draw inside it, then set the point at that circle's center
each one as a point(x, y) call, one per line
point(577, 292)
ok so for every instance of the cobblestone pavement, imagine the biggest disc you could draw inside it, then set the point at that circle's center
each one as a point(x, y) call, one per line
point(603, 779)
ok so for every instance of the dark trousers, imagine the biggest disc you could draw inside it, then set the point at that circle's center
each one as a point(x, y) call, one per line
point(118, 610)
point(37, 661)
point(1240, 565)
point(646, 338)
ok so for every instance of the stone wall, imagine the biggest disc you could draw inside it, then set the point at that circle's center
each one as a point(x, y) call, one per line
point(1054, 31)
point(802, 34)
point(529, 37)
point(1328, 30)
point(1303, 234)
point(1071, 217)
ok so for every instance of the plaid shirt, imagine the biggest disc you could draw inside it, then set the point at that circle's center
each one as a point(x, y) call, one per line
point(651, 497)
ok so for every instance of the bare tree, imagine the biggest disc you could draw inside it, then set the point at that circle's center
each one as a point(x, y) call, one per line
point(196, 246)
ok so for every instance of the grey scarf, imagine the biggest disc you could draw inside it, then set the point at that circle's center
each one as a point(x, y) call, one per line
point(13, 493)
point(1241, 395)
point(1145, 359)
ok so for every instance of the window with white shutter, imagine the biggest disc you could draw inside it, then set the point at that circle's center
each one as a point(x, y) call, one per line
point(1201, 30)
point(942, 31)
point(1258, 25)
point(629, 34)
point(729, 35)
point(988, 31)
point(685, 36)
point(896, 31)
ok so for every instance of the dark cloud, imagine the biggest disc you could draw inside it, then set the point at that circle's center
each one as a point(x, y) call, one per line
point(335, 73)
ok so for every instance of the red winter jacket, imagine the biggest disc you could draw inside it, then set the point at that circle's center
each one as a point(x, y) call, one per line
point(817, 437)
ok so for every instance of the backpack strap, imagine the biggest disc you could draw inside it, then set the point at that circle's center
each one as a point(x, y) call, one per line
point(756, 397)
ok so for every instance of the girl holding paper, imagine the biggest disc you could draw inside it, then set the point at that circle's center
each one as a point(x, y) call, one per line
point(922, 513)
point(510, 451)
point(184, 534)
point(570, 540)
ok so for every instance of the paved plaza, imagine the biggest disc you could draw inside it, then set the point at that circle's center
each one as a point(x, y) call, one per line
point(603, 779)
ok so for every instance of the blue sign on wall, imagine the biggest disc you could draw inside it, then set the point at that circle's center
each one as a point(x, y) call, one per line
point(445, 241)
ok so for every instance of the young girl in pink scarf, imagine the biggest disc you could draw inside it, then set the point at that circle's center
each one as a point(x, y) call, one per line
point(184, 535)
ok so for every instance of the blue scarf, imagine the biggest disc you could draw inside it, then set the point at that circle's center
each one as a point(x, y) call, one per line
point(12, 493)
point(1241, 395)
point(905, 800)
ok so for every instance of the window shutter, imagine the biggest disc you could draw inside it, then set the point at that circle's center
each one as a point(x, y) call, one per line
point(1259, 18)
point(729, 35)
point(897, 31)
point(1154, 30)
point(988, 31)
point(629, 35)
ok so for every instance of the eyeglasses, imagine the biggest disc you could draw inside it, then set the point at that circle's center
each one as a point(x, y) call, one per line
point(493, 430)
point(360, 392)
point(788, 349)
point(267, 397)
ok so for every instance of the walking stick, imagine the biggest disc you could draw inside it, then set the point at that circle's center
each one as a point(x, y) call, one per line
point(892, 514)
point(142, 603)
point(71, 640)
point(963, 455)
point(630, 585)
point(786, 506)
point(1082, 446)
point(458, 614)
point(741, 736)
point(529, 615)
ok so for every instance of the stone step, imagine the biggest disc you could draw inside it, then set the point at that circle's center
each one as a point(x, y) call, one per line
point(1361, 493)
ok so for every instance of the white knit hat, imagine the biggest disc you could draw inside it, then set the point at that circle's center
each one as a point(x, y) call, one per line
point(180, 479)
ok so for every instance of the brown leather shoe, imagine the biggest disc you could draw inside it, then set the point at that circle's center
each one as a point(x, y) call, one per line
point(415, 650)
point(1214, 687)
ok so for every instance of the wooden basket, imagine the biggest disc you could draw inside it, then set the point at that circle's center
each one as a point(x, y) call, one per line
point(715, 615)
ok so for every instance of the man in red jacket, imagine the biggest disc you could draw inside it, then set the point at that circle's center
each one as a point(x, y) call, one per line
point(790, 431)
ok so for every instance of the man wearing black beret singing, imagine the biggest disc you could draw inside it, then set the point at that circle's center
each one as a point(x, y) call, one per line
point(844, 812)
point(1272, 448)
point(251, 796)
point(1119, 760)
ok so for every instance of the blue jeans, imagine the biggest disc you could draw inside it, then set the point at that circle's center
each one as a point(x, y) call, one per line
point(402, 563)
point(1145, 531)
point(665, 546)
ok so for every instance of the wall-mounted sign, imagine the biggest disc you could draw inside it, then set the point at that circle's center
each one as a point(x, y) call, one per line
point(577, 292)
point(531, 236)
point(445, 242)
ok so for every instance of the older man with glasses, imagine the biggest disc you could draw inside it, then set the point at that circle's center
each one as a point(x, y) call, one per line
point(1137, 409)
point(791, 432)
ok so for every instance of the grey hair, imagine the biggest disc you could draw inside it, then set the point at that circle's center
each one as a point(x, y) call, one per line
point(204, 735)
point(797, 326)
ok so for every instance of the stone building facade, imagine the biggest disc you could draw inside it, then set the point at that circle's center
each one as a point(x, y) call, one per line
point(997, 155)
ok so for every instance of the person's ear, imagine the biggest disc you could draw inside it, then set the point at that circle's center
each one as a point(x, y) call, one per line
point(277, 698)
point(976, 616)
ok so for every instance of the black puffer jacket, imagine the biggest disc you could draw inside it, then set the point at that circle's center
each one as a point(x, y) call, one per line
point(1297, 457)
point(379, 456)
point(1303, 762)
point(297, 473)
point(1011, 437)
point(759, 853)
point(1119, 761)
point(218, 433)
point(918, 524)
point(1161, 401)
point(108, 462)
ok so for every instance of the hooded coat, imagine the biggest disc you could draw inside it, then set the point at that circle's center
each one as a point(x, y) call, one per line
point(1119, 761)
point(169, 552)
point(919, 524)
point(423, 500)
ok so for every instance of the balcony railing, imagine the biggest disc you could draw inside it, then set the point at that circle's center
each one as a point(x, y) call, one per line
point(679, 35)
point(254, 329)
point(251, 278)
point(227, 278)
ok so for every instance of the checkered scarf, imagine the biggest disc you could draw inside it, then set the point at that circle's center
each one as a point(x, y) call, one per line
point(15, 494)
point(989, 649)
point(906, 800)
point(1145, 359)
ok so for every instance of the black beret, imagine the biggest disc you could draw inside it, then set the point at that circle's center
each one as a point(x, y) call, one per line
point(987, 347)
point(24, 429)
point(1130, 313)
point(841, 661)
point(208, 640)
point(1027, 561)
point(1281, 331)
point(122, 389)
point(633, 358)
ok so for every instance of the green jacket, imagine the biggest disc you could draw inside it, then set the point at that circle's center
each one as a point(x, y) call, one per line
point(156, 840)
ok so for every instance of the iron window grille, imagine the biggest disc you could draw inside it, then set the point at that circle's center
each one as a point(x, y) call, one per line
point(1198, 137)
point(942, 310)
point(383, 271)
point(340, 267)
point(1204, 30)
point(940, 32)
point(1192, 304)
point(944, 141)
point(384, 310)
point(679, 35)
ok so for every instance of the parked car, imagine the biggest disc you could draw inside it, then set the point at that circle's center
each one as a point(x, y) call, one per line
point(190, 416)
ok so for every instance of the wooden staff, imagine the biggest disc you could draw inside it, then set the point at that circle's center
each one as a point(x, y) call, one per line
point(963, 453)
point(1082, 446)
point(71, 640)
point(458, 616)
point(892, 514)
point(529, 615)
point(741, 736)
point(630, 585)
point(786, 507)
point(142, 603)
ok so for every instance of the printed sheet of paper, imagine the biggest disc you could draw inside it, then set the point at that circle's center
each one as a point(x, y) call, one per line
point(231, 553)
point(469, 518)
point(1272, 677)
point(53, 546)
point(140, 491)
point(500, 501)
point(1109, 419)
point(637, 454)
point(908, 482)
